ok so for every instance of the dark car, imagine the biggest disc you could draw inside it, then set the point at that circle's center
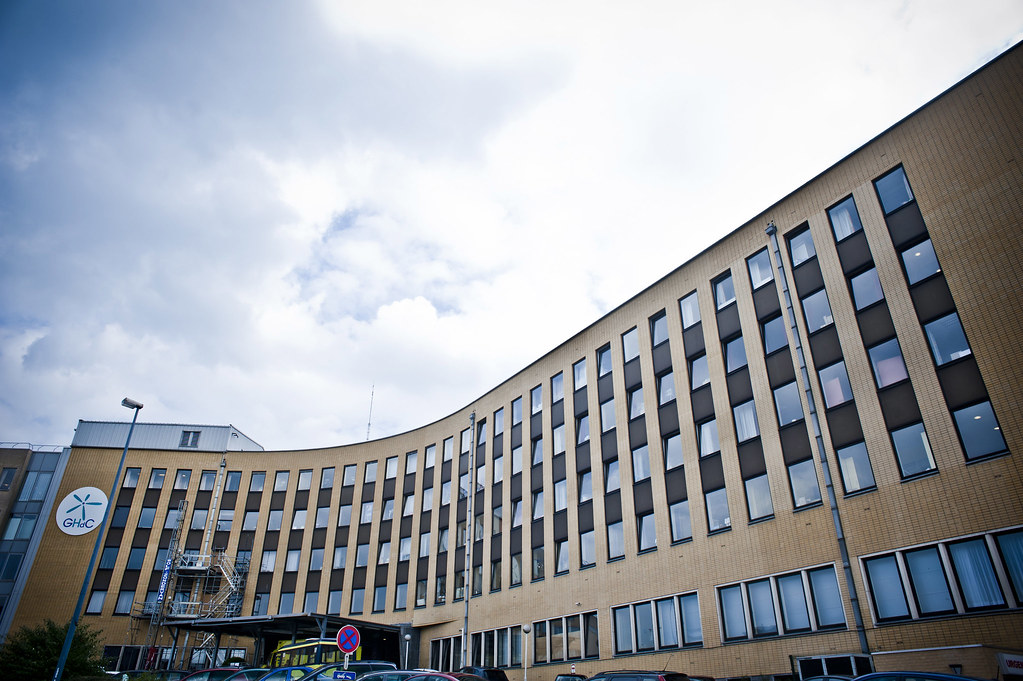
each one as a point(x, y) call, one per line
point(488, 673)
point(360, 669)
point(915, 676)
point(570, 677)
point(639, 675)
point(253, 674)
point(391, 675)
point(447, 676)
point(156, 674)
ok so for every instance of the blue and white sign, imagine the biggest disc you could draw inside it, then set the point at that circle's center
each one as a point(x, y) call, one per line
point(343, 676)
point(81, 511)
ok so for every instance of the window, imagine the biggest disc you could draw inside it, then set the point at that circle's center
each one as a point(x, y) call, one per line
point(95, 606)
point(582, 429)
point(391, 468)
point(933, 595)
point(119, 518)
point(640, 464)
point(348, 475)
point(803, 480)
point(724, 291)
point(717, 510)
point(615, 540)
point(920, 262)
point(371, 472)
point(275, 520)
point(424, 545)
point(690, 309)
point(366, 512)
point(427, 503)
point(516, 569)
point(431, 450)
point(207, 481)
point(326, 478)
point(148, 514)
point(773, 331)
point(322, 517)
point(358, 598)
point(630, 344)
point(281, 481)
point(268, 561)
point(250, 521)
point(835, 385)
point(292, 559)
point(131, 477)
point(585, 486)
point(801, 247)
point(607, 415)
point(979, 431)
point(298, 519)
point(893, 190)
point(225, 518)
point(611, 480)
point(759, 265)
point(912, 450)
point(537, 451)
point(561, 557)
point(135, 558)
point(886, 360)
point(156, 478)
point(658, 329)
point(672, 446)
point(854, 464)
point(536, 400)
point(181, 479)
point(256, 481)
point(758, 497)
point(787, 594)
point(646, 532)
point(412, 458)
point(361, 555)
point(665, 388)
point(699, 373)
point(107, 559)
point(947, 340)
point(7, 478)
point(587, 549)
point(516, 413)
point(189, 438)
point(537, 504)
point(866, 289)
point(735, 354)
point(441, 589)
point(787, 404)
point(817, 311)
point(708, 436)
point(125, 601)
point(681, 523)
point(579, 374)
point(560, 495)
point(636, 407)
point(845, 219)
point(604, 361)
point(305, 480)
point(344, 515)
point(746, 427)
point(558, 436)
point(538, 571)
point(340, 556)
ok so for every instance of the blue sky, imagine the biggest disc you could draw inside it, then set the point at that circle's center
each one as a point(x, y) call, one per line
point(254, 212)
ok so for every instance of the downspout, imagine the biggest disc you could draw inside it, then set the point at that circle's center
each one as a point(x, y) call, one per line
point(836, 519)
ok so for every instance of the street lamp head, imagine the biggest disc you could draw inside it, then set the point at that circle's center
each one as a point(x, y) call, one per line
point(525, 628)
point(408, 637)
point(130, 403)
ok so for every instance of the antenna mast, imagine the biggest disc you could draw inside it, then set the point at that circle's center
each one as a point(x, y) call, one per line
point(369, 422)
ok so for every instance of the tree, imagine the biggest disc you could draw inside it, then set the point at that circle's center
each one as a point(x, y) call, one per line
point(31, 653)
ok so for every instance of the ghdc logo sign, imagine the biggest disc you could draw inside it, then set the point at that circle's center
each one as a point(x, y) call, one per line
point(81, 511)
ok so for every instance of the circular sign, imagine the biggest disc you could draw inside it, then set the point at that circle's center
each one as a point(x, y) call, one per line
point(81, 511)
point(348, 639)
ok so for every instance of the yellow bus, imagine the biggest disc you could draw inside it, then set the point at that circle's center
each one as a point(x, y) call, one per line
point(288, 654)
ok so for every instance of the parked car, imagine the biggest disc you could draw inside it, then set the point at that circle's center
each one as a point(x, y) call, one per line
point(915, 676)
point(446, 676)
point(288, 673)
point(212, 674)
point(639, 675)
point(253, 674)
point(157, 674)
point(361, 668)
point(488, 673)
point(391, 675)
point(828, 677)
point(570, 677)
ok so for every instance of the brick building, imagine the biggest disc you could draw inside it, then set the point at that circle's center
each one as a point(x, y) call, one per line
point(797, 452)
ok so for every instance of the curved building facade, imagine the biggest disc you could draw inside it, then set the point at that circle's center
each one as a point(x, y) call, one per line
point(796, 453)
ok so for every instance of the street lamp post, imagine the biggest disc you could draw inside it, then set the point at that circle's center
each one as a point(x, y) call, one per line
point(525, 666)
point(130, 404)
point(408, 638)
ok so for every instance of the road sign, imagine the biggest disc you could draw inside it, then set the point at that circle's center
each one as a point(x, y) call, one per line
point(348, 639)
point(343, 676)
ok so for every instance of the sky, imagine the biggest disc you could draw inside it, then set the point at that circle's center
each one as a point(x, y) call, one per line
point(265, 213)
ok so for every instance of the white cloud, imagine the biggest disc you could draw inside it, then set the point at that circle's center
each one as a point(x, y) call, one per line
point(417, 197)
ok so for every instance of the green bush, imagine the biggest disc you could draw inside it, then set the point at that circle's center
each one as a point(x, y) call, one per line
point(31, 653)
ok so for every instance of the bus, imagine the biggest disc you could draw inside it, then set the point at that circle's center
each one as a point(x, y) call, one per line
point(288, 654)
